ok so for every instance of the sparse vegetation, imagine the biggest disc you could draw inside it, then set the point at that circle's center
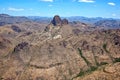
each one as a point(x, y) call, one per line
point(92, 68)
point(116, 60)
point(103, 63)
point(81, 54)
point(105, 47)
point(1, 78)
point(82, 73)
point(95, 58)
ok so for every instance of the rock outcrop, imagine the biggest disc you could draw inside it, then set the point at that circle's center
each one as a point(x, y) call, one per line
point(65, 22)
point(54, 28)
point(20, 46)
point(16, 28)
point(56, 21)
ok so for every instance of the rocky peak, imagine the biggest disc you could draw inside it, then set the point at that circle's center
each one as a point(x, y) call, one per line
point(56, 21)
point(20, 46)
point(64, 22)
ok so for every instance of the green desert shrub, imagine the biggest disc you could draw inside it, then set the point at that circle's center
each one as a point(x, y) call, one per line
point(103, 63)
point(81, 73)
point(105, 47)
point(81, 54)
point(93, 68)
point(1, 78)
point(116, 60)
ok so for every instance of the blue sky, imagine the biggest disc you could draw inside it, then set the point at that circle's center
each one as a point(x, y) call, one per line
point(65, 8)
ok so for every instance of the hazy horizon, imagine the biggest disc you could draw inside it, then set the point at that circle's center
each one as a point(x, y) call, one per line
point(64, 8)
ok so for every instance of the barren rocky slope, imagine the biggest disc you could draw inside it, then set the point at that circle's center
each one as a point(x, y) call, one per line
point(58, 51)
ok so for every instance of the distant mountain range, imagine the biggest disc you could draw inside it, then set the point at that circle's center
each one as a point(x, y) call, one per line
point(111, 24)
point(71, 19)
point(98, 21)
point(88, 20)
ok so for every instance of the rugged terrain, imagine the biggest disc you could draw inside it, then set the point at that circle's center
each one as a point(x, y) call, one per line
point(59, 50)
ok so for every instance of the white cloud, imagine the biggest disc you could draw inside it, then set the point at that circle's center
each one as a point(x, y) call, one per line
point(15, 9)
point(30, 9)
point(86, 1)
point(113, 14)
point(47, 0)
point(111, 4)
point(50, 5)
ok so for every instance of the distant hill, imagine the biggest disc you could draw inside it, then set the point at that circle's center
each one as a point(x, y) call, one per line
point(7, 19)
point(111, 24)
point(40, 19)
point(87, 19)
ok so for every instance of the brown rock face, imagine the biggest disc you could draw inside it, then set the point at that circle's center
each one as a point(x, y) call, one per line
point(64, 21)
point(16, 28)
point(116, 40)
point(20, 46)
point(56, 21)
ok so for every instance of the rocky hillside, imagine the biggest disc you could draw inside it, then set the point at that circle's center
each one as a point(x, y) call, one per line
point(5, 46)
point(108, 24)
point(7, 19)
point(59, 51)
point(107, 72)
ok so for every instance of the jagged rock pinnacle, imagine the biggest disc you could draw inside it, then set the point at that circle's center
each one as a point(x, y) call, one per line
point(56, 21)
point(64, 22)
